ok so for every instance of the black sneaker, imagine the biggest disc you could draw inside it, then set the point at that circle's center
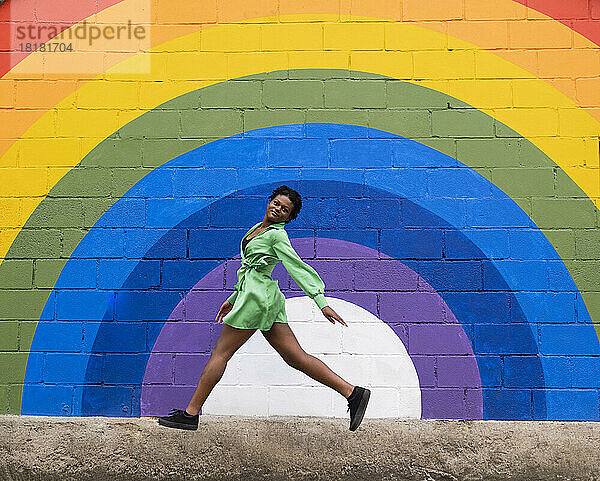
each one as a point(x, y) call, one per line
point(178, 418)
point(357, 406)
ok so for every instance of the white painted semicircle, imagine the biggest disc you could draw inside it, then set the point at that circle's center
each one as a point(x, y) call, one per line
point(368, 353)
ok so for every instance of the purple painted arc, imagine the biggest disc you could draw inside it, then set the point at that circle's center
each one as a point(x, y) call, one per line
point(426, 326)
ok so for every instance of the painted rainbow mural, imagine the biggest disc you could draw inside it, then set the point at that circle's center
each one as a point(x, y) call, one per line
point(447, 154)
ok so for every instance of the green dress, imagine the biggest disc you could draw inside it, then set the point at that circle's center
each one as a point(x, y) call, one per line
point(257, 300)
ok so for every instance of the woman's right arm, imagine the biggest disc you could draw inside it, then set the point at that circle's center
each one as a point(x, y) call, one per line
point(225, 309)
point(233, 297)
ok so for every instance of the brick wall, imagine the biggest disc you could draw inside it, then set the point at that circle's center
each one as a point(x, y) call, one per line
point(447, 155)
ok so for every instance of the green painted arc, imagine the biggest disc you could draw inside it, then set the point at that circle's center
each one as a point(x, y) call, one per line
point(541, 188)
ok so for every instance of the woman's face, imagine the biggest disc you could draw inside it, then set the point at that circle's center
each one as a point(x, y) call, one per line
point(279, 209)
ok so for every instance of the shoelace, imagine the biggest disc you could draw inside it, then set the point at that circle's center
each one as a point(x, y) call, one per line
point(176, 412)
point(349, 404)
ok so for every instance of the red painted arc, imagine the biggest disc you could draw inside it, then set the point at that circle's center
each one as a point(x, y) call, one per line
point(561, 10)
point(4, 38)
point(582, 16)
point(41, 12)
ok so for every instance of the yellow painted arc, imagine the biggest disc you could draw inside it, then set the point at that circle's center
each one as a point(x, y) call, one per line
point(180, 75)
point(544, 47)
point(477, 21)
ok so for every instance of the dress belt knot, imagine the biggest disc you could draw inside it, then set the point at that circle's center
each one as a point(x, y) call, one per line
point(246, 265)
point(254, 265)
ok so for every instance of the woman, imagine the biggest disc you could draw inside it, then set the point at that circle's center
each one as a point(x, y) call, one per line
point(257, 303)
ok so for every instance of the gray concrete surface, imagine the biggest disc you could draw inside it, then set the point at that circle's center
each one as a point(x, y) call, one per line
point(300, 448)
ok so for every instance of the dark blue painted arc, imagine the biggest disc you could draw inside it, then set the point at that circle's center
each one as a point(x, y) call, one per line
point(474, 218)
point(357, 203)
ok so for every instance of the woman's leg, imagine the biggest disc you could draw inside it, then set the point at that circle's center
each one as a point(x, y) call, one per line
point(283, 340)
point(229, 341)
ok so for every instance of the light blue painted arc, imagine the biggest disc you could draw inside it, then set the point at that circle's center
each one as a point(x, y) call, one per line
point(466, 188)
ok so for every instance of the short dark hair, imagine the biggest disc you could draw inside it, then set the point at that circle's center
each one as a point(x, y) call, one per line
point(293, 196)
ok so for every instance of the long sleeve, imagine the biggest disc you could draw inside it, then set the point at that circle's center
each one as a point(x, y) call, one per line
point(305, 276)
point(233, 297)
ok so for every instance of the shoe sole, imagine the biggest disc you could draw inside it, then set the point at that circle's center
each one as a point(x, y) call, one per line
point(171, 424)
point(360, 412)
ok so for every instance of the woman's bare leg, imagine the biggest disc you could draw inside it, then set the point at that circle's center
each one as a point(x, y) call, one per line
point(229, 341)
point(283, 340)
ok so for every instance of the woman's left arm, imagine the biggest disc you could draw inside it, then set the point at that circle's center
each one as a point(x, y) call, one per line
point(305, 276)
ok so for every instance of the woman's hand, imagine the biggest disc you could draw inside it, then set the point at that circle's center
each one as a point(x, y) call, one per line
point(330, 314)
point(223, 311)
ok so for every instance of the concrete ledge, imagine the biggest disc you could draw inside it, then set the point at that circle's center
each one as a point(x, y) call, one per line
point(298, 448)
